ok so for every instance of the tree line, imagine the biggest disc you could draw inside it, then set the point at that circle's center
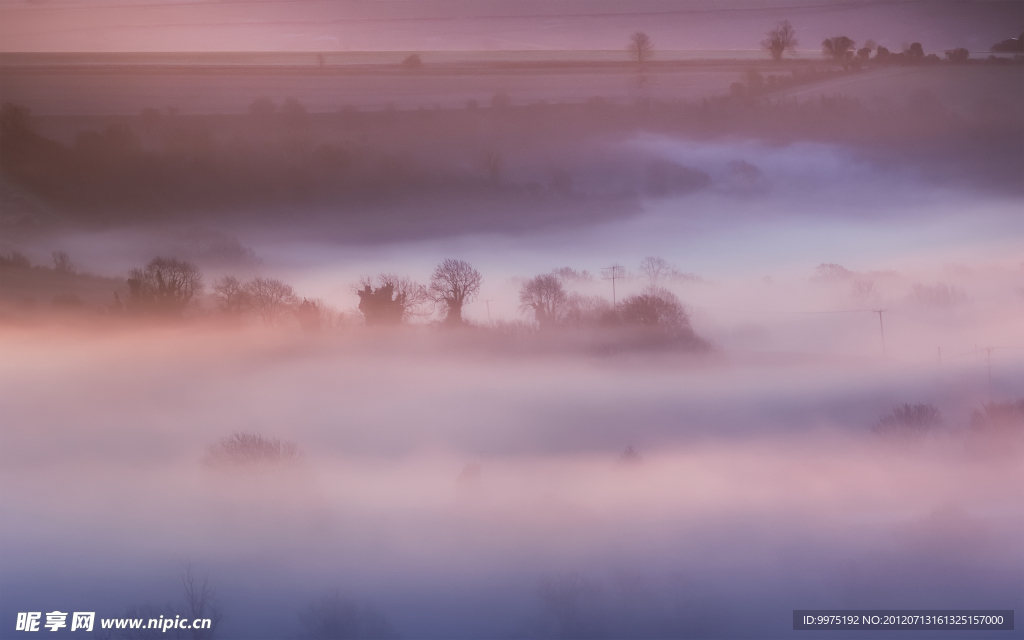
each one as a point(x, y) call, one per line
point(782, 39)
point(168, 287)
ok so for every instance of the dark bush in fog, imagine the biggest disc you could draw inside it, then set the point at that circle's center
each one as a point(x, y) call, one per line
point(958, 55)
point(14, 260)
point(940, 296)
point(245, 449)
point(657, 309)
point(583, 310)
point(908, 421)
point(164, 286)
point(1010, 45)
point(994, 416)
point(310, 312)
point(839, 48)
point(337, 618)
point(390, 299)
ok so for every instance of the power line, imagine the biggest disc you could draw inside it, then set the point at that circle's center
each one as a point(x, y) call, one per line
point(613, 273)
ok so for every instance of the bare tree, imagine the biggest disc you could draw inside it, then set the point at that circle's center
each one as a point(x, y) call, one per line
point(780, 40)
point(656, 268)
point(839, 48)
point(270, 298)
point(391, 299)
point(546, 297)
point(640, 47)
point(582, 310)
point(62, 262)
point(165, 286)
point(453, 283)
point(199, 603)
point(231, 295)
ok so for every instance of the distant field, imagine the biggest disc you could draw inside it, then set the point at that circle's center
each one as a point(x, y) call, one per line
point(125, 84)
point(127, 90)
point(964, 89)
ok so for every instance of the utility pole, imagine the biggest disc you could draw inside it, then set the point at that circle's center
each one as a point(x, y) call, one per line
point(988, 355)
point(613, 273)
point(488, 303)
point(881, 327)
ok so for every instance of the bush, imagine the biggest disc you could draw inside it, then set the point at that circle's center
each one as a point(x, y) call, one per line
point(908, 421)
point(941, 296)
point(245, 449)
point(14, 260)
point(337, 618)
point(999, 416)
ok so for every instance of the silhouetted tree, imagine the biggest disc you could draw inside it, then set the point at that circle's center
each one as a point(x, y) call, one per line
point(413, 61)
point(231, 295)
point(839, 48)
point(453, 283)
point(1010, 45)
point(200, 603)
point(546, 297)
point(582, 310)
point(309, 313)
point(915, 53)
point(270, 298)
point(655, 307)
point(958, 55)
point(164, 286)
point(640, 47)
point(780, 40)
point(392, 300)
point(655, 268)
point(62, 262)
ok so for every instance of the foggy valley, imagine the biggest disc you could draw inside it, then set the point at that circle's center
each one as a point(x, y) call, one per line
point(540, 343)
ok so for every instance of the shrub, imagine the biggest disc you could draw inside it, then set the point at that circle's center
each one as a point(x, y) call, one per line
point(941, 296)
point(15, 260)
point(337, 618)
point(998, 415)
point(908, 421)
point(244, 449)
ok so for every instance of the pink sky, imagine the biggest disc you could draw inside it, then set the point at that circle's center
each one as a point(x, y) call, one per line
point(352, 25)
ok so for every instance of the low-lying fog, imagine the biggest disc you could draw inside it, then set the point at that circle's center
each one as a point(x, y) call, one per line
point(488, 495)
point(497, 481)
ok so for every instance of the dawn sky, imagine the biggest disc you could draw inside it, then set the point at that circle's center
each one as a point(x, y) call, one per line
point(429, 25)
